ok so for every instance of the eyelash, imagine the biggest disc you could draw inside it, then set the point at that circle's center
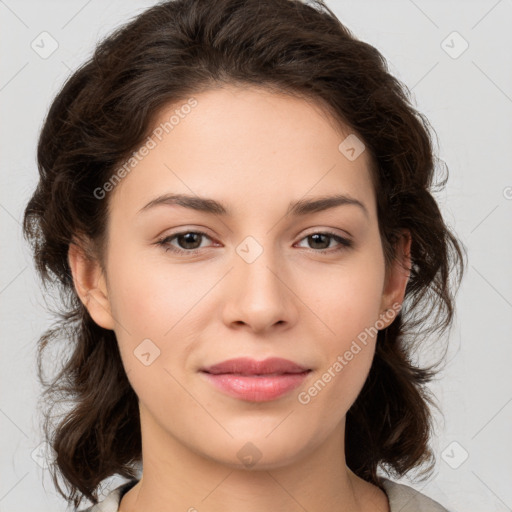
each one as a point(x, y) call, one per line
point(345, 243)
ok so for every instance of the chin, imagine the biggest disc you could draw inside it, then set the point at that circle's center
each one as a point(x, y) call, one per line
point(259, 452)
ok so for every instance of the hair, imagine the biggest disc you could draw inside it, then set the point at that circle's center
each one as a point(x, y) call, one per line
point(104, 112)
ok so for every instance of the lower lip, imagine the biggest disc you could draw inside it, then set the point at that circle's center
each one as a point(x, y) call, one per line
point(254, 388)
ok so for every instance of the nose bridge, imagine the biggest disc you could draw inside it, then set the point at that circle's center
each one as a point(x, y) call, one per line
point(255, 265)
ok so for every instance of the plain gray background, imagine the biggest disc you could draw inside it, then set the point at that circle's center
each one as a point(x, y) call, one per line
point(467, 96)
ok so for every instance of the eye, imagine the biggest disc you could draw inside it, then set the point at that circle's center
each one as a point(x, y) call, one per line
point(321, 241)
point(189, 240)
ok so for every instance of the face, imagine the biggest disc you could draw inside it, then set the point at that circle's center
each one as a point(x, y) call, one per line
point(188, 288)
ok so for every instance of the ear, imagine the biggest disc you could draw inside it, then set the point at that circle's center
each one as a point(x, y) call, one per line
point(397, 277)
point(90, 285)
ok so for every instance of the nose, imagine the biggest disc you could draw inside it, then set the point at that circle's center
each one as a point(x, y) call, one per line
point(259, 294)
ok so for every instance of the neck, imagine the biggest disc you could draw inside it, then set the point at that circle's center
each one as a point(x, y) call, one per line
point(178, 478)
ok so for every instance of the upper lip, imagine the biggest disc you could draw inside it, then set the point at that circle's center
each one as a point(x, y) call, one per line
point(248, 366)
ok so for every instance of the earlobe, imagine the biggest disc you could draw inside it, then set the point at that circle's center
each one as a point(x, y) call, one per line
point(397, 277)
point(90, 285)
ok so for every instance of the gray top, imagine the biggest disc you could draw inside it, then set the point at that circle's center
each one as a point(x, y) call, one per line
point(402, 498)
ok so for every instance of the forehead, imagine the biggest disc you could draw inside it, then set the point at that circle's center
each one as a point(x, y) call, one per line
point(247, 147)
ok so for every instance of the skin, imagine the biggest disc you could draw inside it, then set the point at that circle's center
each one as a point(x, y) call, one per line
point(255, 151)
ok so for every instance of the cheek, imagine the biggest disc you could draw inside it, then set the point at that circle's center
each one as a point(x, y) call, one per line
point(147, 301)
point(153, 303)
point(347, 299)
point(348, 304)
point(347, 354)
point(147, 296)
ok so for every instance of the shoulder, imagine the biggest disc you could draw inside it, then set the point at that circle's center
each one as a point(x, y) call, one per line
point(112, 500)
point(403, 498)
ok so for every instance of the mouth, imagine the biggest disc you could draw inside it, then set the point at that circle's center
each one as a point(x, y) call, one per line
point(256, 388)
point(246, 366)
point(240, 374)
point(256, 381)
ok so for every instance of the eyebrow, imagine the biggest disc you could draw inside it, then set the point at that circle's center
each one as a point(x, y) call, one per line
point(295, 208)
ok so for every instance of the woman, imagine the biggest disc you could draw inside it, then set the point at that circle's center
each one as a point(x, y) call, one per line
point(235, 201)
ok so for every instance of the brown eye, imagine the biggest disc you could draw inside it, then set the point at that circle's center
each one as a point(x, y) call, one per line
point(188, 242)
point(320, 242)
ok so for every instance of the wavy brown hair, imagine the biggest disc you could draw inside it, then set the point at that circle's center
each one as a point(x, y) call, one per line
point(104, 112)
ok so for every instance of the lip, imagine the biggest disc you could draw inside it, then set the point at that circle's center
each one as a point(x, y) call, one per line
point(256, 381)
point(248, 366)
